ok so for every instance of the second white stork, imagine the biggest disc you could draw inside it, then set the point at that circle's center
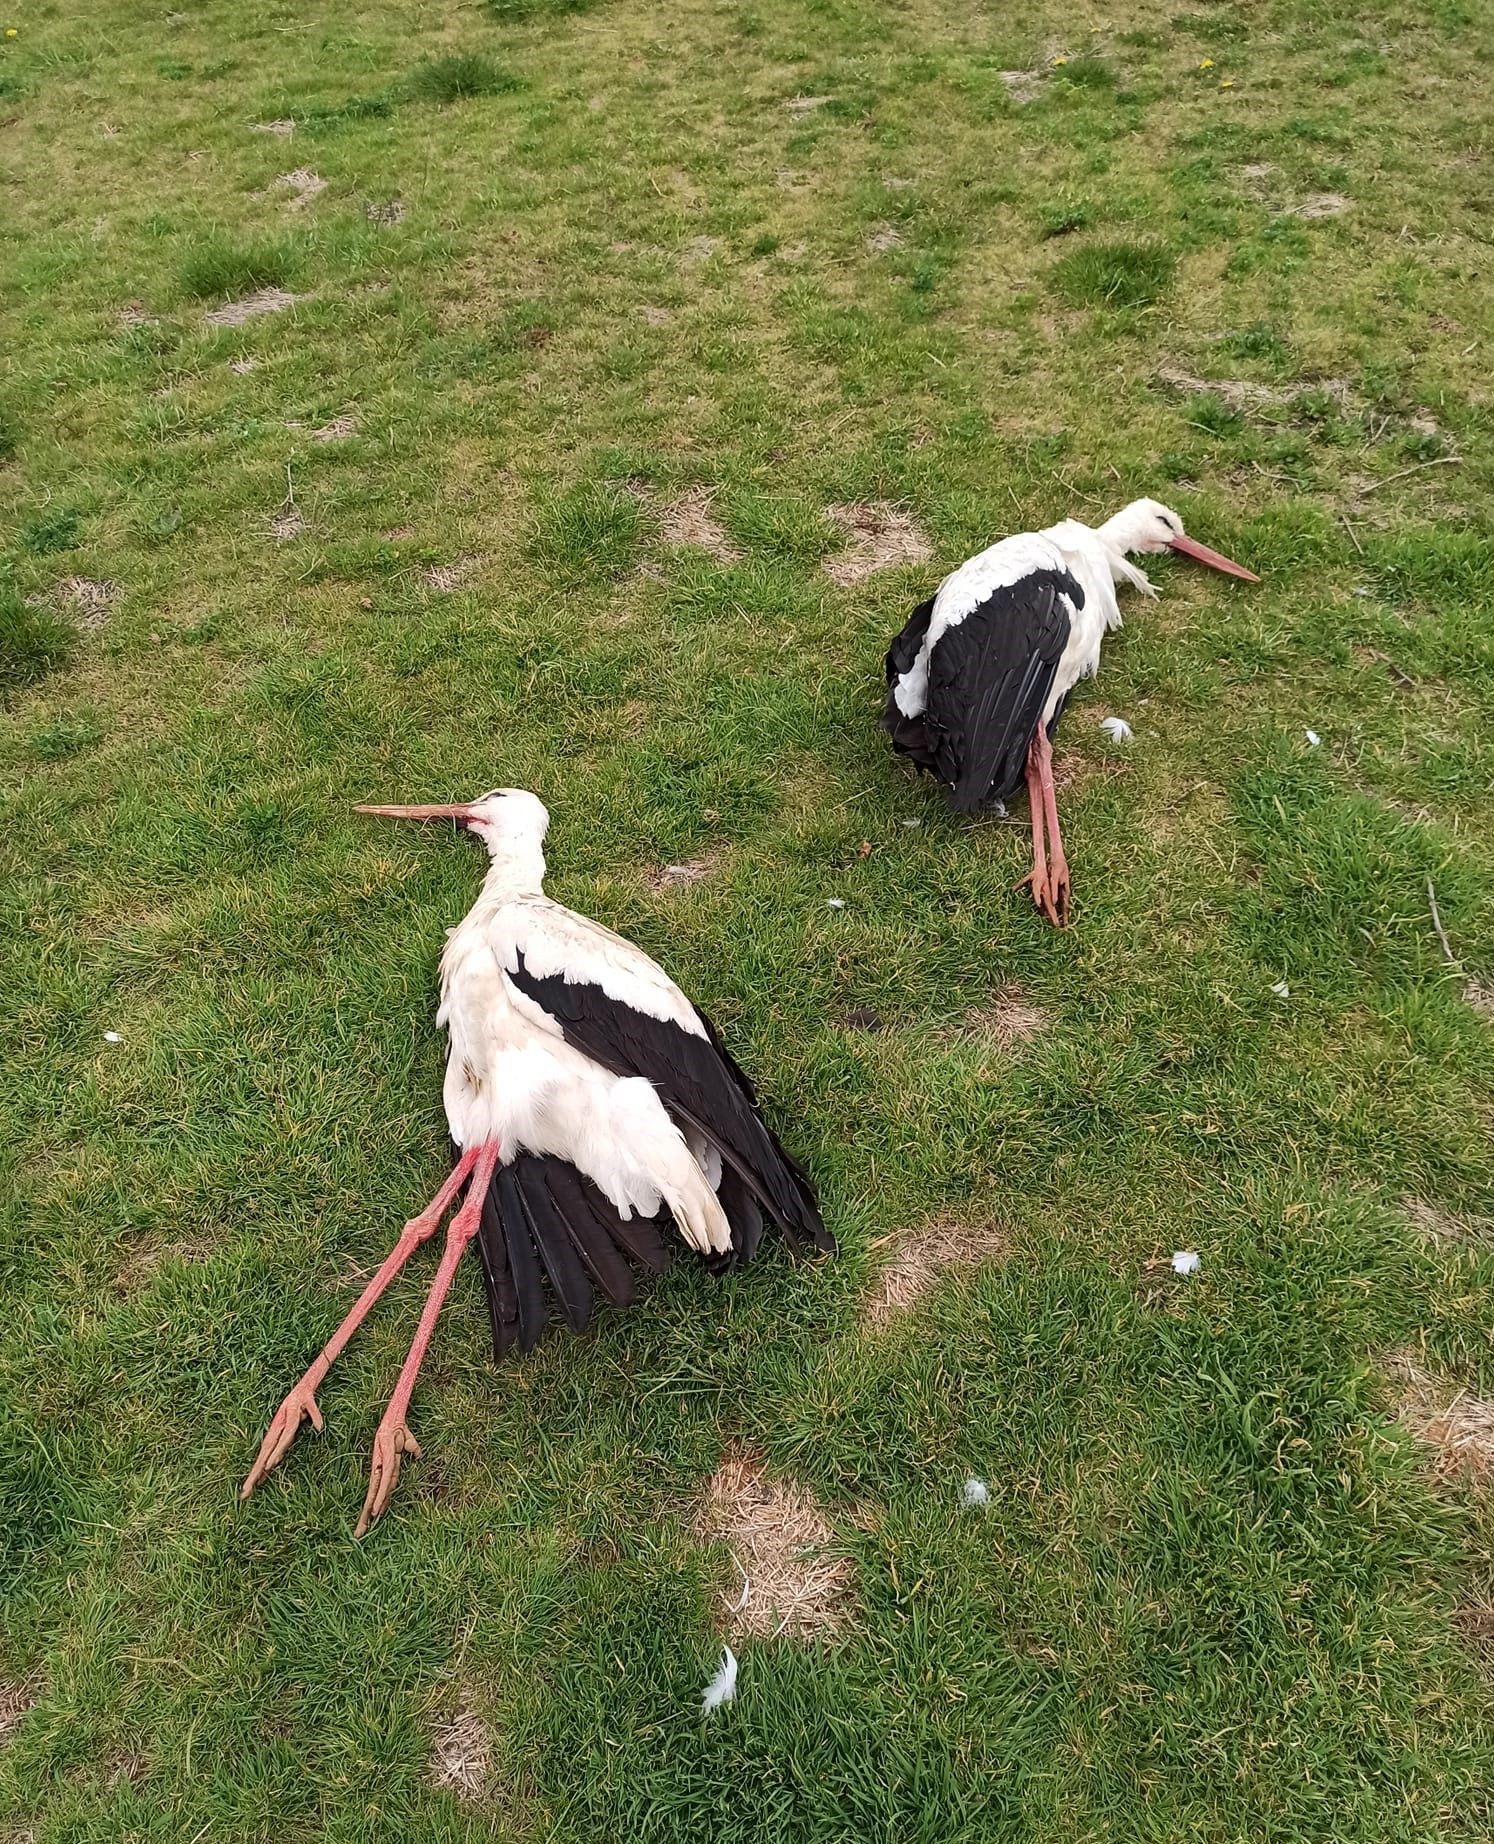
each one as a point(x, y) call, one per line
point(979, 676)
point(586, 1097)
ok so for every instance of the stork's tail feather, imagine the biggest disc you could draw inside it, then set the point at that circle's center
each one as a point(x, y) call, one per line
point(543, 1222)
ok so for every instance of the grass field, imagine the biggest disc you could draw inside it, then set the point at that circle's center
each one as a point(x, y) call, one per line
point(570, 282)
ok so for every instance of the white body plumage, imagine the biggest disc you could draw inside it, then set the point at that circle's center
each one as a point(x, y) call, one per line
point(512, 1077)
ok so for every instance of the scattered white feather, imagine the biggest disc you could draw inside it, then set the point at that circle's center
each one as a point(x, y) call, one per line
point(113, 1037)
point(834, 902)
point(912, 825)
point(1117, 729)
point(1185, 1261)
point(974, 1492)
point(1313, 739)
point(723, 1687)
point(1282, 990)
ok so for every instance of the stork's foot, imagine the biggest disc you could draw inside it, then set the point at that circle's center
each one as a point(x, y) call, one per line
point(393, 1439)
point(299, 1405)
point(1050, 891)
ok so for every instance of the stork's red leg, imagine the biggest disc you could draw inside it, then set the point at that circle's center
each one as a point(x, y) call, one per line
point(301, 1402)
point(1037, 877)
point(394, 1437)
point(1058, 864)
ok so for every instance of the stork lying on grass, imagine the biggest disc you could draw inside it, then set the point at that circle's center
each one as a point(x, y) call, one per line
point(977, 680)
point(585, 1095)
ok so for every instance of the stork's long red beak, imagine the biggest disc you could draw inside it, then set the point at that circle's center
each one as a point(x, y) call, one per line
point(462, 811)
point(1190, 547)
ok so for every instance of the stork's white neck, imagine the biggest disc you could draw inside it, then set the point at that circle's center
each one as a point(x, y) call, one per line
point(516, 868)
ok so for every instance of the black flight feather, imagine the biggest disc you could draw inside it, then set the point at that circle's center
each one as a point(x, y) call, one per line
point(593, 1243)
point(552, 1239)
point(503, 1304)
point(522, 1260)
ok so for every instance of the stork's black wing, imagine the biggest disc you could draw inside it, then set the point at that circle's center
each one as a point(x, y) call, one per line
point(701, 1087)
point(909, 734)
point(990, 675)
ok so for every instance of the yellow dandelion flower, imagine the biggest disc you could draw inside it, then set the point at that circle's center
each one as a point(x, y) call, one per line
point(1060, 60)
point(1208, 64)
point(1227, 83)
point(10, 32)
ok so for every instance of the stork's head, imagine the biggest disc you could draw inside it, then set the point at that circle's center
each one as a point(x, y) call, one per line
point(507, 820)
point(1148, 525)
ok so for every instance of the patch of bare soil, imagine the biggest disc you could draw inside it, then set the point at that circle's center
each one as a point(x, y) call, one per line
point(691, 519)
point(1481, 998)
point(1456, 1426)
point(884, 238)
point(656, 316)
point(302, 184)
point(91, 597)
point(879, 537)
point(134, 315)
point(338, 430)
point(462, 1755)
point(806, 105)
point(242, 367)
point(385, 211)
point(916, 1259)
point(140, 1264)
point(285, 128)
point(262, 301)
point(779, 1539)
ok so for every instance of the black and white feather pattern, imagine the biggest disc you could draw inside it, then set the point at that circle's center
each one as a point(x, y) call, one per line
point(976, 669)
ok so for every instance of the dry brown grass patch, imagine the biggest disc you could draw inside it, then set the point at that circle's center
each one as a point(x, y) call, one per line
point(1010, 1018)
point(1441, 1226)
point(462, 1755)
point(880, 535)
point(92, 598)
point(15, 1700)
point(1457, 1426)
point(262, 301)
point(917, 1259)
point(302, 184)
point(447, 578)
point(780, 1540)
point(691, 519)
point(689, 871)
point(1481, 997)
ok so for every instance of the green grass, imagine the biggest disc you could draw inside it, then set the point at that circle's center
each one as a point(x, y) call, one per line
point(1214, 1595)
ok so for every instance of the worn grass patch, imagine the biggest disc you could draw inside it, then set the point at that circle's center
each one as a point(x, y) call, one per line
point(912, 1263)
point(1453, 1422)
point(791, 1583)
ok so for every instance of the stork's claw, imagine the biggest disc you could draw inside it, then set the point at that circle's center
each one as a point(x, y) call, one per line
point(392, 1439)
point(299, 1405)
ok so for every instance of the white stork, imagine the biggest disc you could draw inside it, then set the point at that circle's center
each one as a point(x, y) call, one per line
point(977, 680)
point(585, 1095)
